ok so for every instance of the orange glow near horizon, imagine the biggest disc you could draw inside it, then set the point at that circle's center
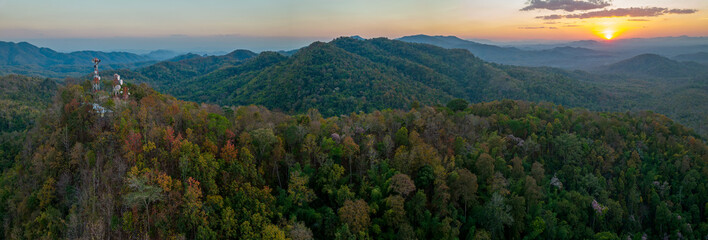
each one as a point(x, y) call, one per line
point(609, 28)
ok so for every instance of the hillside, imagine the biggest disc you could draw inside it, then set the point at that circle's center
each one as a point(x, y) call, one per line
point(349, 75)
point(700, 57)
point(654, 66)
point(174, 72)
point(22, 101)
point(157, 167)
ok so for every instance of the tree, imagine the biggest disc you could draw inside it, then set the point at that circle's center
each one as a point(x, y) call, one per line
point(355, 214)
point(464, 188)
point(192, 212)
point(272, 232)
point(298, 189)
point(142, 194)
point(350, 149)
point(300, 232)
point(396, 214)
point(497, 215)
point(229, 152)
point(457, 104)
point(517, 168)
point(46, 194)
point(485, 166)
point(425, 176)
point(537, 171)
point(402, 137)
point(402, 184)
point(263, 141)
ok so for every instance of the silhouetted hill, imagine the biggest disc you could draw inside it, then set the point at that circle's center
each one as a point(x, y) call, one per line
point(184, 57)
point(484, 51)
point(27, 59)
point(700, 57)
point(655, 66)
point(563, 57)
point(161, 54)
point(13, 54)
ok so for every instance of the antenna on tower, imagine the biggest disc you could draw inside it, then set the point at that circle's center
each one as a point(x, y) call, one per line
point(96, 77)
point(117, 82)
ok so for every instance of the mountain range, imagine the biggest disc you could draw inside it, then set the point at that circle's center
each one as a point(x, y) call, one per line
point(27, 59)
point(584, 55)
point(352, 74)
point(655, 66)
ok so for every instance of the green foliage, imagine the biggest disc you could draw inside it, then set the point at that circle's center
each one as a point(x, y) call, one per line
point(457, 104)
point(164, 168)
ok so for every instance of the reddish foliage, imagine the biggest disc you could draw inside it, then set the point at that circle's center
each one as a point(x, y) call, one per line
point(229, 152)
point(133, 141)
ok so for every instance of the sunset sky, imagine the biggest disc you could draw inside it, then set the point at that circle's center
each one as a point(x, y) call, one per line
point(263, 23)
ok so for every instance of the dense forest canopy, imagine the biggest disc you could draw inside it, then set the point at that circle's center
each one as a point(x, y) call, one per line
point(158, 167)
point(22, 100)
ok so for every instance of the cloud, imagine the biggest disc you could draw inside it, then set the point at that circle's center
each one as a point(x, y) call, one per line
point(551, 17)
point(529, 28)
point(682, 11)
point(572, 25)
point(622, 12)
point(566, 5)
point(638, 20)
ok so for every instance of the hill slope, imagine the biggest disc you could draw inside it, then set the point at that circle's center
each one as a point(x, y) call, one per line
point(22, 100)
point(655, 66)
point(700, 57)
point(349, 75)
point(158, 167)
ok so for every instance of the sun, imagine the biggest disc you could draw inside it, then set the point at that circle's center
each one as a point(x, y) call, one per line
point(608, 34)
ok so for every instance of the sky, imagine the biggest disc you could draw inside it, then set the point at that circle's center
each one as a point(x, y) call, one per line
point(219, 25)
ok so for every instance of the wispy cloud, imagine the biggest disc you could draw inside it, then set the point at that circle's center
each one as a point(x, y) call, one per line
point(638, 20)
point(622, 12)
point(551, 17)
point(566, 5)
point(529, 28)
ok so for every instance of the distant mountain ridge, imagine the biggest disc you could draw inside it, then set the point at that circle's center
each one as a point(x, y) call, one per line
point(562, 57)
point(652, 65)
point(27, 59)
point(699, 57)
point(23, 53)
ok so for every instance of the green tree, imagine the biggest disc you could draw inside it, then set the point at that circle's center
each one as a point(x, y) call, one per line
point(497, 215)
point(457, 104)
point(143, 194)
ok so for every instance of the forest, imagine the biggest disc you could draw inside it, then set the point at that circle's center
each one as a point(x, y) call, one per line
point(162, 168)
point(349, 75)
